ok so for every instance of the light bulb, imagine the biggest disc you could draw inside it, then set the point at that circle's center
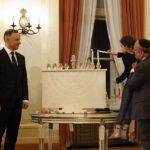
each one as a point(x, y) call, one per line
point(23, 22)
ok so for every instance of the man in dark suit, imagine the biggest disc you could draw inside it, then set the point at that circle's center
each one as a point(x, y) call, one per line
point(139, 83)
point(13, 88)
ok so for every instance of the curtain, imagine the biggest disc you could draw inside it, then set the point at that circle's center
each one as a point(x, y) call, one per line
point(70, 12)
point(113, 21)
point(65, 136)
point(87, 25)
point(133, 18)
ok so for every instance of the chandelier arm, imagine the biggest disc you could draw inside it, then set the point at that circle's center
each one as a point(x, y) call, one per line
point(22, 31)
point(31, 32)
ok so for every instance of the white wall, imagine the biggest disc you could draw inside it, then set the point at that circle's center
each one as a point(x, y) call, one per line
point(147, 19)
point(50, 34)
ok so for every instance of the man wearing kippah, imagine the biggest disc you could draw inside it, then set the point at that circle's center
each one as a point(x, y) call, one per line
point(139, 84)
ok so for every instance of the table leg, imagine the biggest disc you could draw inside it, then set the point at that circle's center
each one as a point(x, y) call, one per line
point(41, 137)
point(50, 133)
point(101, 137)
point(106, 139)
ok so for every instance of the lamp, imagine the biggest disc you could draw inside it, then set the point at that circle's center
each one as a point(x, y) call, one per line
point(25, 26)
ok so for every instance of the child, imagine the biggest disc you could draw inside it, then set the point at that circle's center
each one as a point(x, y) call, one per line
point(127, 44)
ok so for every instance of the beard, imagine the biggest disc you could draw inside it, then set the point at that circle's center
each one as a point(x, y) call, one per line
point(138, 58)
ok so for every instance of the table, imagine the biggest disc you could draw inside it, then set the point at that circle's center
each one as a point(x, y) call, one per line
point(82, 118)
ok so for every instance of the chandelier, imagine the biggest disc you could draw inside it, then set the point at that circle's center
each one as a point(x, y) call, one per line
point(25, 26)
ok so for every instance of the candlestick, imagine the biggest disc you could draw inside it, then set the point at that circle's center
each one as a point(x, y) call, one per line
point(98, 65)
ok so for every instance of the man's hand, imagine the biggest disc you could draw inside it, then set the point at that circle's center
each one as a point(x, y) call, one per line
point(0, 108)
point(134, 65)
point(25, 105)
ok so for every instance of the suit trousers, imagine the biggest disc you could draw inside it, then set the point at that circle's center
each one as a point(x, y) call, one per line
point(144, 130)
point(10, 121)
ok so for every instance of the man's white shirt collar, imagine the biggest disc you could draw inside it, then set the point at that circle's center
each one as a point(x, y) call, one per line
point(8, 50)
point(144, 58)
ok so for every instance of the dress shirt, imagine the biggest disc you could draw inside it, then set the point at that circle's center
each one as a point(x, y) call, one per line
point(10, 55)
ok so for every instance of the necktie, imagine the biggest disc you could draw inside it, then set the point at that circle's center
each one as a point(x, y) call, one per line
point(13, 60)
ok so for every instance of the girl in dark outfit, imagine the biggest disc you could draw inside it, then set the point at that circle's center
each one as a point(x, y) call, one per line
point(128, 58)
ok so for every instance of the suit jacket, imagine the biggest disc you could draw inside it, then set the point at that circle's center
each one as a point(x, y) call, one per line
point(139, 84)
point(13, 83)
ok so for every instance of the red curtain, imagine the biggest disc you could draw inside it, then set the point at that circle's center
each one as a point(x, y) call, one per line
point(70, 12)
point(133, 24)
point(133, 18)
point(65, 136)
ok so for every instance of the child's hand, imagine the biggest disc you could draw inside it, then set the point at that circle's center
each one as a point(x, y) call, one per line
point(111, 52)
point(114, 80)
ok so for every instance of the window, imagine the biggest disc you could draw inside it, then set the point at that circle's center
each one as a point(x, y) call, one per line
point(100, 41)
point(100, 12)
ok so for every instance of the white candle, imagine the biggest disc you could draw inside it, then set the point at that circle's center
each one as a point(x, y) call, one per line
point(97, 56)
point(28, 19)
point(92, 57)
point(13, 19)
point(39, 21)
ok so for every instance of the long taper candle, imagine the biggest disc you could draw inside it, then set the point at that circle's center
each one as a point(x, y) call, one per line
point(97, 56)
point(92, 57)
point(39, 21)
point(13, 19)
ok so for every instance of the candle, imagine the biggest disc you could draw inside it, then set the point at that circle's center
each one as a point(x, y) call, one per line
point(13, 19)
point(92, 57)
point(39, 21)
point(28, 19)
point(97, 56)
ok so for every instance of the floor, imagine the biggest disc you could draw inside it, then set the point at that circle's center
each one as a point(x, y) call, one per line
point(117, 148)
point(56, 147)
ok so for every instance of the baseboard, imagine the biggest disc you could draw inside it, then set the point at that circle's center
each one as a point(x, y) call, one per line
point(35, 146)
